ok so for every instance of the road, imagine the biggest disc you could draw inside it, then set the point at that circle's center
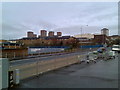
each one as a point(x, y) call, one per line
point(103, 74)
point(34, 66)
point(31, 60)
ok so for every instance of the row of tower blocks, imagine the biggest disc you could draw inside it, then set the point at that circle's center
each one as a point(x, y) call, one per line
point(43, 33)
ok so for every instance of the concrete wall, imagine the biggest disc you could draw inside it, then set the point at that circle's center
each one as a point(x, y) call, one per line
point(4, 65)
point(31, 69)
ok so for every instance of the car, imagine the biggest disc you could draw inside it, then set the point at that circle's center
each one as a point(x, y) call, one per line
point(92, 55)
point(112, 54)
point(116, 48)
point(88, 61)
point(80, 60)
point(101, 49)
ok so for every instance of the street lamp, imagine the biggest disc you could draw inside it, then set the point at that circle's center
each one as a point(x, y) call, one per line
point(81, 34)
point(82, 28)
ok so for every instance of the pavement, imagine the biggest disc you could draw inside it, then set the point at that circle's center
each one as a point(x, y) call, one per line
point(103, 74)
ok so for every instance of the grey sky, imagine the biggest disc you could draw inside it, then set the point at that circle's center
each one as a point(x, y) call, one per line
point(20, 17)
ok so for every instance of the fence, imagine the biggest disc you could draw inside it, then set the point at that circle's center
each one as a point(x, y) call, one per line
point(91, 46)
point(13, 53)
point(39, 67)
point(49, 47)
point(25, 53)
point(44, 50)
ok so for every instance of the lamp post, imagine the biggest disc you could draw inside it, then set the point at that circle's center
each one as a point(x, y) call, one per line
point(81, 35)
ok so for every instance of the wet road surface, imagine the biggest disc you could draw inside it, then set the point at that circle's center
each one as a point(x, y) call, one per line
point(103, 74)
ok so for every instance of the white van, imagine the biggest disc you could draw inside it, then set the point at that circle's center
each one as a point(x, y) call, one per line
point(116, 48)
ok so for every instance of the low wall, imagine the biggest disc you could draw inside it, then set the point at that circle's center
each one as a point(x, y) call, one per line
point(31, 69)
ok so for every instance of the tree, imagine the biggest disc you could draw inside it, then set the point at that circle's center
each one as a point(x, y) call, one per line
point(115, 41)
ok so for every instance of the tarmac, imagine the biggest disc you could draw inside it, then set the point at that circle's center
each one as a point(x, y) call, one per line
point(103, 74)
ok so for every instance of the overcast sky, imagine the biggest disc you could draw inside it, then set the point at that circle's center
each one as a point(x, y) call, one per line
point(69, 17)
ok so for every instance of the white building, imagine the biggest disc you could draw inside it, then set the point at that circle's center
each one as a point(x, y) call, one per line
point(87, 35)
point(105, 31)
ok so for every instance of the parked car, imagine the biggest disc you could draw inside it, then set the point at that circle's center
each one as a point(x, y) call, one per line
point(80, 60)
point(91, 57)
point(90, 61)
point(109, 55)
point(116, 48)
point(101, 49)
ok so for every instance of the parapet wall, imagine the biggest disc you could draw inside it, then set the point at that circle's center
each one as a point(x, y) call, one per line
point(39, 67)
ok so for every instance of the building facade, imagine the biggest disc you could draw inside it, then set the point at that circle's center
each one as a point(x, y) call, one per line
point(51, 34)
point(100, 39)
point(105, 31)
point(86, 35)
point(35, 35)
point(59, 33)
point(30, 34)
point(43, 33)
